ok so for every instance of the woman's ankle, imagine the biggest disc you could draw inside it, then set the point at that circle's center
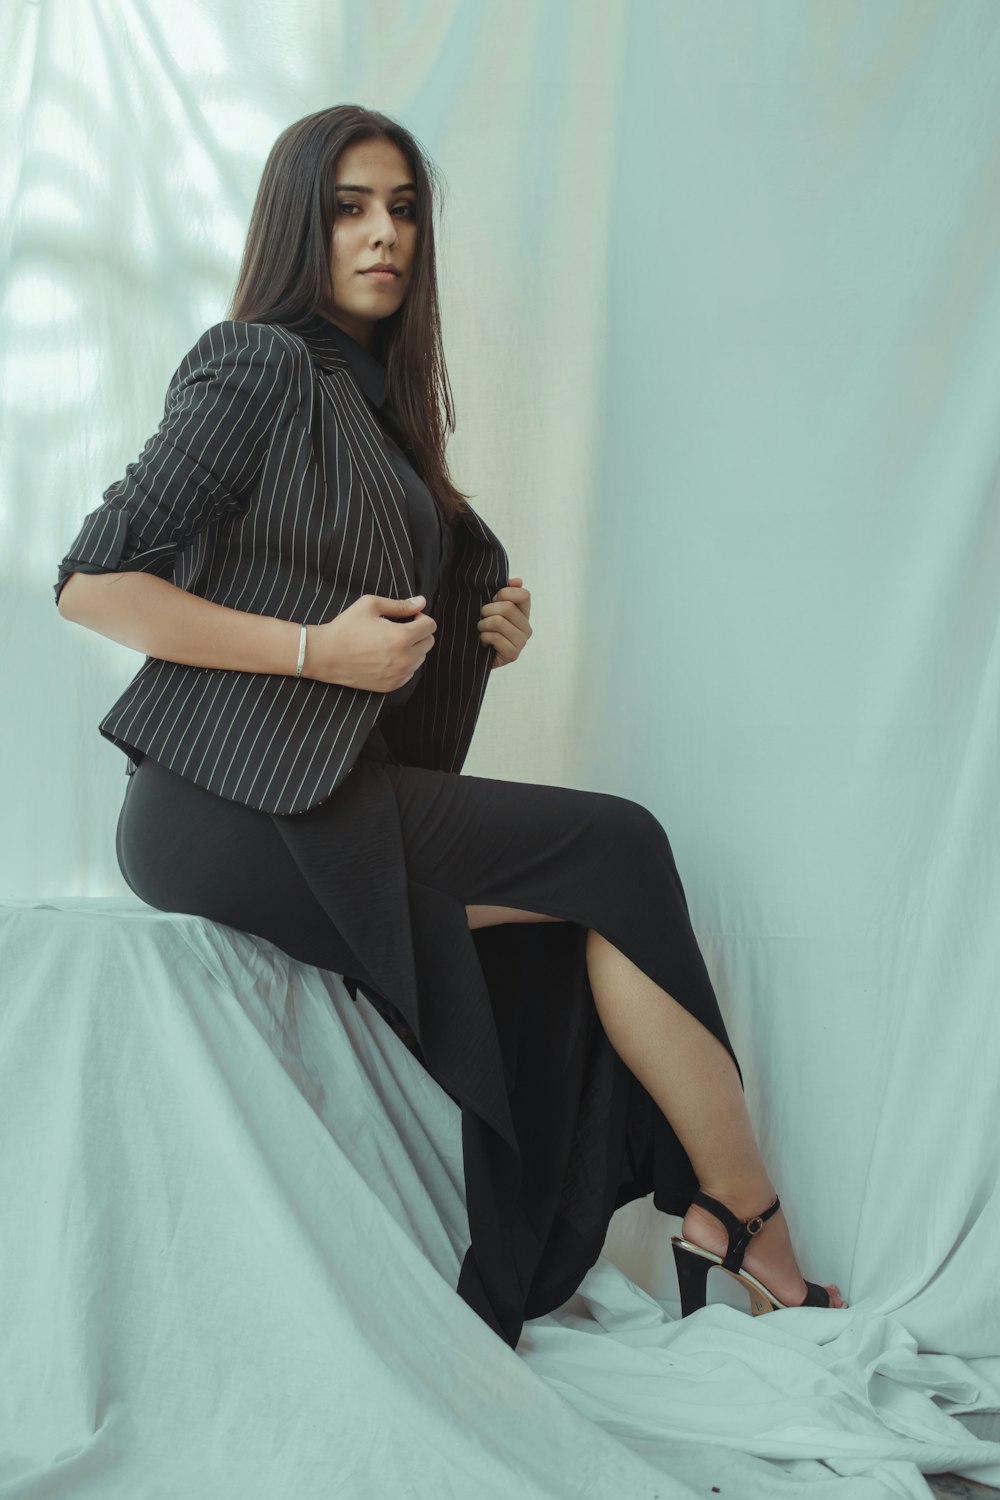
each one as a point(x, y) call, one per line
point(744, 1198)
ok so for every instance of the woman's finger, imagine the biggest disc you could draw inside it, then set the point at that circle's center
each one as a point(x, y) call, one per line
point(520, 597)
point(506, 646)
point(508, 610)
point(503, 629)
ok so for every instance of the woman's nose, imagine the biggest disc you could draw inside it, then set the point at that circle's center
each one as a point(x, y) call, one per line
point(387, 233)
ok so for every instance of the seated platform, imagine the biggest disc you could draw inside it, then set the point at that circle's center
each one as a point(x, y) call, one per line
point(231, 1221)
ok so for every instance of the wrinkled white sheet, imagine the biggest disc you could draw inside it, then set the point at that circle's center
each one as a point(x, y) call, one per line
point(231, 1219)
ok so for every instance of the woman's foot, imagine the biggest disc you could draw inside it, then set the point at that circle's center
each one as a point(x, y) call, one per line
point(769, 1256)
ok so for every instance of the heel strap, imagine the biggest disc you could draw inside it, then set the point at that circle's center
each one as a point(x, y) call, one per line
point(740, 1231)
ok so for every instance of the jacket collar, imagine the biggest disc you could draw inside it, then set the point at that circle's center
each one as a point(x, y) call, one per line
point(332, 347)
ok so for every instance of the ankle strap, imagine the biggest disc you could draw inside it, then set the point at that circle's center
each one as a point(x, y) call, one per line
point(740, 1231)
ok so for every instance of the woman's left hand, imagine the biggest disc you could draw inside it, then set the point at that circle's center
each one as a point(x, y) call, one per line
point(503, 624)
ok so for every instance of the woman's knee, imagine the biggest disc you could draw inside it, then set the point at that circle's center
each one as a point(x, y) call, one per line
point(631, 830)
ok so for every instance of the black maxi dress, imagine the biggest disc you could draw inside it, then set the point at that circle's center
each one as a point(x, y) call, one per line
point(557, 1133)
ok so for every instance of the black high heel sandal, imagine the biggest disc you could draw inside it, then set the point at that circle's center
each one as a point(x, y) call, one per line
point(693, 1263)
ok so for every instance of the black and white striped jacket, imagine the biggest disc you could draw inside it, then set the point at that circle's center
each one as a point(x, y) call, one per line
point(268, 487)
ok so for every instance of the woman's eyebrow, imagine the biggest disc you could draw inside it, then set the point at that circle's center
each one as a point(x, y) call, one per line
point(353, 187)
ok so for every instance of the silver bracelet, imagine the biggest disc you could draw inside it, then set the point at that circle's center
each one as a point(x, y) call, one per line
point(302, 650)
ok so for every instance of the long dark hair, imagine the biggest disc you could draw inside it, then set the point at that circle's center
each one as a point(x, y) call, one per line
point(284, 276)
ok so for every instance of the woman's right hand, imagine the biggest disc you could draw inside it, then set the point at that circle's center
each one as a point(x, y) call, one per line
point(371, 644)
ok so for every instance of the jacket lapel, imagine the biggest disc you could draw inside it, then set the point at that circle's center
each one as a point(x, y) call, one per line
point(435, 726)
point(381, 486)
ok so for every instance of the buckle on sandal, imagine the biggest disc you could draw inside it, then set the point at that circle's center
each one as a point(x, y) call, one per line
point(755, 1225)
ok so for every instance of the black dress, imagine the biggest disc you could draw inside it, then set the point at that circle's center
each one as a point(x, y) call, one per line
point(557, 1133)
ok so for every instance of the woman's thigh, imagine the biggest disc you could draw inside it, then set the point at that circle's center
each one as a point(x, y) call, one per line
point(542, 851)
point(595, 859)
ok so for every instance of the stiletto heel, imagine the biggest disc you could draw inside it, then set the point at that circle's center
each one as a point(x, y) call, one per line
point(693, 1263)
point(692, 1277)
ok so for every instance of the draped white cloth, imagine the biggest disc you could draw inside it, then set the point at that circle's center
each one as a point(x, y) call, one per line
point(231, 1219)
point(721, 304)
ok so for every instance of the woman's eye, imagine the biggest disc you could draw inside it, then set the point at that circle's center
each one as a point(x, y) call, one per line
point(411, 211)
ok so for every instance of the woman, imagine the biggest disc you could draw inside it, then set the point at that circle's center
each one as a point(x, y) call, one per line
point(320, 609)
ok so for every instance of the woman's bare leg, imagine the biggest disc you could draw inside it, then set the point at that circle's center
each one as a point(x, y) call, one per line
point(494, 916)
point(691, 1076)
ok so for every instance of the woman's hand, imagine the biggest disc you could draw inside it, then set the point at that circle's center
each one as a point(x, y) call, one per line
point(370, 645)
point(503, 624)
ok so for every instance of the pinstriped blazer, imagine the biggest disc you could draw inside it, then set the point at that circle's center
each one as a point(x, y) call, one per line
point(268, 488)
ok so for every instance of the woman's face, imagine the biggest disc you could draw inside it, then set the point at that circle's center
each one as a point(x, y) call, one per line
point(375, 221)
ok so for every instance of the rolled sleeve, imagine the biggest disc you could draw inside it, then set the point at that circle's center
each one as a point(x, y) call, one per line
point(204, 459)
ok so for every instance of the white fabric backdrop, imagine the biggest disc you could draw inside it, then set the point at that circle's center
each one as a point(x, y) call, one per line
point(721, 293)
